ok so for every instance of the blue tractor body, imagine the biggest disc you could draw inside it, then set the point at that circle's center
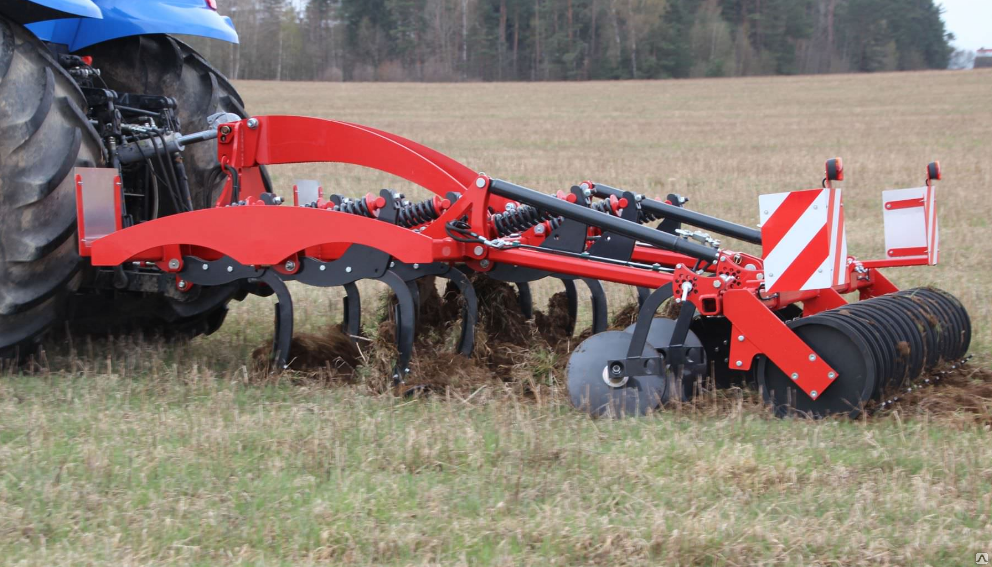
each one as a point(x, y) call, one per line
point(78, 24)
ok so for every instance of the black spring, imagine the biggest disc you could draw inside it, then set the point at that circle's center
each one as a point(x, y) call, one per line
point(521, 219)
point(645, 216)
point(358, 207)
point(416, 214)
point(602, 206)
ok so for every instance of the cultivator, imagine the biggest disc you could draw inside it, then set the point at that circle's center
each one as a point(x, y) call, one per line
point(738, 314)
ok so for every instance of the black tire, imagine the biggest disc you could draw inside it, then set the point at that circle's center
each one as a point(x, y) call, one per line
point(44, 133)
point(161, 65)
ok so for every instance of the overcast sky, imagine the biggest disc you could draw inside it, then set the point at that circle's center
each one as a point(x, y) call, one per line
point(970, 21)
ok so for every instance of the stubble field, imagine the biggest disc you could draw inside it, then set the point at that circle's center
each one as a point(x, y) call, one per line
point(136, 452)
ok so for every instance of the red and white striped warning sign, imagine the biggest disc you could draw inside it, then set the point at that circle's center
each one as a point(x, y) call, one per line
point(803, 240)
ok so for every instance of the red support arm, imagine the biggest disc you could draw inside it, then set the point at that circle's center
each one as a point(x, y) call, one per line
point(298, 139)
point(258, 235)
point(758, 330)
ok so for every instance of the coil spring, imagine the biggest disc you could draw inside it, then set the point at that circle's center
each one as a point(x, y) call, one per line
point(646, 217)
point(416, 214)
point(521, 219)
point(610, 206)
point(358, 207)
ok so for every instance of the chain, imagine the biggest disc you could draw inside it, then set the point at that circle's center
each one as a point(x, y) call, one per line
point(932, 380)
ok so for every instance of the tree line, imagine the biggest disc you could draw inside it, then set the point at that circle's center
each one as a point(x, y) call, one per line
point(539, 40)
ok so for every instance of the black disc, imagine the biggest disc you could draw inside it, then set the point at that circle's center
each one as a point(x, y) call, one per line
point(949, 324)
point(910, 343)
point(887, 337)
point(881, 355)
point(933, 317)
point(913, 339)
point(965, 319)
point(840, 346)
point(694, 370)
point(892, 331)
point(960, 331)
point(947, 342)
point(714, 333)
point(588, 386)
point(920, 326)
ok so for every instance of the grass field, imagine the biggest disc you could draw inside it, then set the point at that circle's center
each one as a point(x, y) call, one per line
point(130, 452)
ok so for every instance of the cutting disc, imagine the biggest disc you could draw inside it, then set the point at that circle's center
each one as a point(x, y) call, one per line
point(590, 389)
point(695, 368)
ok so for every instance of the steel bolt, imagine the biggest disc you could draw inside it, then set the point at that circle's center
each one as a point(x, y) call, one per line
point(717, 283)
point(616, 370)
point(182, 284)
point(813, 394)
point(510, 207)
point(812, 358)
point(480, 183)
point(738, 364)
point(253, 123)
point(484, 263)
point(831, 375)
point(478, 250)
point(740, 338)
point(678, 266)
point(230, 269)
point(206, 267)
point(392, 264)
point(290, 265)
point(347, 269)
point(795, 375)
point(225, 129)
point(174, 264)
point(323, 267)
point(539, 229)
point(416, 266)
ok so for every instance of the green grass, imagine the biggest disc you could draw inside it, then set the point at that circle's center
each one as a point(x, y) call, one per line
point(198, 470)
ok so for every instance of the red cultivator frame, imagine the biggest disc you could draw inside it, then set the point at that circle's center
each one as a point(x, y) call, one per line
point(735, 308)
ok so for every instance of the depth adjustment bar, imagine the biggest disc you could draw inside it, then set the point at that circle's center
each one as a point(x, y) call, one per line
point(605, 222)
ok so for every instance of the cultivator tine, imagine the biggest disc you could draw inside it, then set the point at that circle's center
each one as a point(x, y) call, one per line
point(470, 311)
point(405, 321)
point(352, 310)
point(282, 336)
point(600, 310)
point(525, 300)
point(642, 294)
point(415, 294)
point(572, 297)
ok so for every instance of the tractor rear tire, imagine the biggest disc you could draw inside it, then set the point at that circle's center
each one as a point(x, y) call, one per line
point(162, 65)
point(44, 133)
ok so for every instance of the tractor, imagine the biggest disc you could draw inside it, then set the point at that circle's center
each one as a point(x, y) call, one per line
point(101, 83)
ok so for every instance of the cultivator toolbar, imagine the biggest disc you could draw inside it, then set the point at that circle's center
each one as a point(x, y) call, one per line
point(737, 313)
